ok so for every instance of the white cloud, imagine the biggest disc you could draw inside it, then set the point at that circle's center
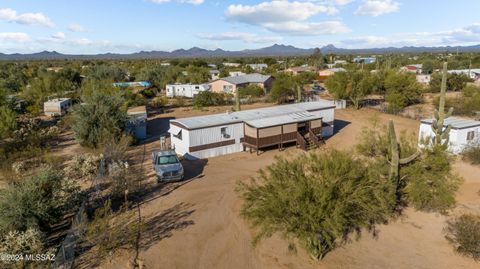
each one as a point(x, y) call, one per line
point(468, 35)
point(77, 28)
point(193, 2)
point(377, 7)
point(11, 15)
point(15, 37)
point(59, 36)
point(288, 17)
point(246, 37)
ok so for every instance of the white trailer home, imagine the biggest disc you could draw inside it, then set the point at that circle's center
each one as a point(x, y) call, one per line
point(219, 134)
point(186, 90)
point(57, 107)
point(463, 133)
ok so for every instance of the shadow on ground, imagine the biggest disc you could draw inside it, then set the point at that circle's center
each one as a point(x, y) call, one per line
point(163, 224)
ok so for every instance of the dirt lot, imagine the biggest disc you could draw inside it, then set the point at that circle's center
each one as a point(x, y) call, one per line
point(197, 225)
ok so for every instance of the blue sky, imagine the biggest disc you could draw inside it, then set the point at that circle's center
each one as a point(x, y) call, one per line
point(98, 26)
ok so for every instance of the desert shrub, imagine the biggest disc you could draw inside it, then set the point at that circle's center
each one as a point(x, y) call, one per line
point(463, 233)
point(465, 104)
point(8, 121)
point(208, 98)
point(83, 166)
point(319, 199)
point(36, 202)
point(20, 243)
point(109, 231)
point(472, 153)
point(160, 102)
point(427, 183)
point(430, 182)
point(100, 119)
point(180, 101)
point(251, 90)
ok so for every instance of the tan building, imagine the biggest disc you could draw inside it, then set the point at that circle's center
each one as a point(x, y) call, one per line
point(230, 84)
point(300, 69)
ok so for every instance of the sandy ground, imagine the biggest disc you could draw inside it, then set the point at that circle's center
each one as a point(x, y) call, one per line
point(196, 224)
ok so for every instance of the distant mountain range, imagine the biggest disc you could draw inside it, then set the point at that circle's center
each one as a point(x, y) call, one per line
point(275, 50)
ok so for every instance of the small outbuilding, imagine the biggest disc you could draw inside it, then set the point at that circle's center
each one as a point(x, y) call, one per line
point(463, 133)
point(137, 122)
point(214, 135)
point(57, 107)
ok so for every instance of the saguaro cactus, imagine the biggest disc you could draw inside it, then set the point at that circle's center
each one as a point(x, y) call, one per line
point(442, 134)
point(395, 160)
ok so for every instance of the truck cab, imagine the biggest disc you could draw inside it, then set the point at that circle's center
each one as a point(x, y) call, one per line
point(167, 166)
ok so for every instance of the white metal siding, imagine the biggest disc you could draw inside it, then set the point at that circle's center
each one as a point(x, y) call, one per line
point(181, 146)
point(458, 137)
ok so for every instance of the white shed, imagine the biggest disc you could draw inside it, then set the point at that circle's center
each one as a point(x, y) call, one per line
point(463, 133)
point(57, 107)
point(186, 90)
point(219, 134)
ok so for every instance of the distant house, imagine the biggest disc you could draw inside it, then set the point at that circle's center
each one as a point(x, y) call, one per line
point(231, 64)
point(463, 133)
point(366, 60)
point(165, 64)
point(471, 73)
point(214, 66)
point(258, 67)
point(413, 68)
point(236, 73)
point(300, 69)
point(330, 71)
point(231, 84)
point(214, 74)
point(137, 122)
point(186, 90)
point(424, 79)
point(57, 107)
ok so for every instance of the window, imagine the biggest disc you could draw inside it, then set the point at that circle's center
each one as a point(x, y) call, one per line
point(224, 133)
point(470, 135)
point(167, 160)
point(179, 135)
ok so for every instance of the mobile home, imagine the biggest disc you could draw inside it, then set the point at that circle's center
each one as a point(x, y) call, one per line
point(57, 107)
point(230, 132)
point(186, 90)
point(463, 132)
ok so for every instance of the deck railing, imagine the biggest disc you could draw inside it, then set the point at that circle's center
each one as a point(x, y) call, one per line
point(314, 138)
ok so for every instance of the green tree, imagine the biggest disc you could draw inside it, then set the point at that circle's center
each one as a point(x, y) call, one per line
point(455, 82)
point(352, 85)
point(207, 98)
point(319, 199)
point(100, 119)
point(36, 202)
point(402, 89)
point(431, 183)
point(8, 121)
point(283, 89)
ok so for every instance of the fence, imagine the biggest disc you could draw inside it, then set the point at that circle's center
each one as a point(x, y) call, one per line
point(66, 253)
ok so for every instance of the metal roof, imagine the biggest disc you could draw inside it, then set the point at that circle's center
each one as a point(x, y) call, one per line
point(283, 119)
point(249, 78)
point(457, 123)
point(252, 114)
point(57, 100)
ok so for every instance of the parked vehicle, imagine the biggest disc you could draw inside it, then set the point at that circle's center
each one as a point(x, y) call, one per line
point(167, 166)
